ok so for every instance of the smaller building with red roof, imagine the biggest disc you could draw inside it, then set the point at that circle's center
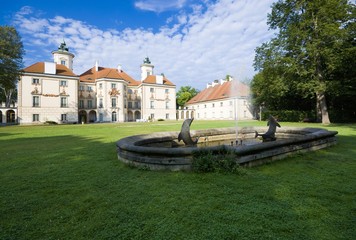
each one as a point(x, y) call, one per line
point(225, 99)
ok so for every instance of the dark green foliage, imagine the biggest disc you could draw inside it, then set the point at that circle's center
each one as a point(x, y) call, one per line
point(51, 123)
point(184, 94)
point(11, 52)
point(219, 161)
point(309, 58)
point(290, 115)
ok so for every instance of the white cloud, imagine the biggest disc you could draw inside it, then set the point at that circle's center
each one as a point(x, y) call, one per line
point(192, 49)
point(159, 5)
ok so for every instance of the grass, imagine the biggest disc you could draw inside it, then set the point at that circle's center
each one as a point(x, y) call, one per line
point(65, 182)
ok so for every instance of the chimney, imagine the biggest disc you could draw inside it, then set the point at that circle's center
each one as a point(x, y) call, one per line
point(96, 66)
point(215, 82)
point(119, 68)
point(159, 79)
point(50, 67)
point(222, 81)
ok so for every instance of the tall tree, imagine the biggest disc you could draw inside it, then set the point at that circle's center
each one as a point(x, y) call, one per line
point(11, 52)
point(307, 48)
point(184, 94)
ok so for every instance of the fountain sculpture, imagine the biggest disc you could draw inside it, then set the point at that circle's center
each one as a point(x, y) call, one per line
point(270, 134)
point(185, 133)
point(163, 150)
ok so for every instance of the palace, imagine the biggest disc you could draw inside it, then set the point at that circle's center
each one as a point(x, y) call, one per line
point(51, 92)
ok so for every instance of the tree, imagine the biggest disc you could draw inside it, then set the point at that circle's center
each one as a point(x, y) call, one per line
point(307, 48)
point(184, 94)
point(11, 52)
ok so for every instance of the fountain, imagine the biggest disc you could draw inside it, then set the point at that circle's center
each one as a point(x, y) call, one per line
point(165, 151)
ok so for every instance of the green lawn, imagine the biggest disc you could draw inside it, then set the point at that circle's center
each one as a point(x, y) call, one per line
point(65, 182)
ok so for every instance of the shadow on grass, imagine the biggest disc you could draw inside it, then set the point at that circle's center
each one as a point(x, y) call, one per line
point(72, 187)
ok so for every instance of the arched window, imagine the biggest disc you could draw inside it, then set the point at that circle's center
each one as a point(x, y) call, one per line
point(113, 117)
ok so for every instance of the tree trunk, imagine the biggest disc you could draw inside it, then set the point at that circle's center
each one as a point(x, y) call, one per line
point(8, 96)
point(322, 107)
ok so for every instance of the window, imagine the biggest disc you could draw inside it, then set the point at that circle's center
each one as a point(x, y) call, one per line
point(90, 103)
point(113, 102)
point(166, 91)
point(113, 117)
point(35, 101)
point(124, 88)
point(221, 104)
point(35, 80)
point(113, 85)
point(63, 83)
point(130, 104)
point(35, 117)
point(64, 102)
point(100, 103)
point(81, 88)
point(230, 103)
point(152, 104)
point(152, 116)
point(204, 105)
point(89, 89)
point(101, 117)
point(100, 85)
point(167, 115)
point(136, 105)
point(213, 104)
point(152, 90)
point(81, 103)
point(63, 117)
point(129, 91)
point(167, 105)
point(63, 62)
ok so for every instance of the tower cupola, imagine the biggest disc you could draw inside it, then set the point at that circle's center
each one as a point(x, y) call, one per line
point(63, 56)
point(146, 69)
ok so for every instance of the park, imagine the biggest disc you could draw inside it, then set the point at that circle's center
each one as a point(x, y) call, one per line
point(65, 182)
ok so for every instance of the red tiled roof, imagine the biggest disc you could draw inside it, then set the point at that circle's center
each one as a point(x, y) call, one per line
point(151, 79)
point(221, 91)
point(39, 68)
point(91, 75)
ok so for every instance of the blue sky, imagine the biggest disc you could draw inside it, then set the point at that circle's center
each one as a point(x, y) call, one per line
point(192, 42)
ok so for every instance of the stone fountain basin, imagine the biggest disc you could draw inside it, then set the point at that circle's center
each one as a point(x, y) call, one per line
point(162, 151)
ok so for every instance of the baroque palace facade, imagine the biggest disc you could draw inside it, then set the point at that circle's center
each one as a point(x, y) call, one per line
point(50, 91)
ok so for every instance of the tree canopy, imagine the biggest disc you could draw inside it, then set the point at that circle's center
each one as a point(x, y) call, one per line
point(11, 52)
point(307, 52)
point(184, 94)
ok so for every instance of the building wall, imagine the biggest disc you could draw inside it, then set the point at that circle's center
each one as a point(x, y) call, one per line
point(159, 102)
point(112, 101)
point(48, 91)
point(225, 109)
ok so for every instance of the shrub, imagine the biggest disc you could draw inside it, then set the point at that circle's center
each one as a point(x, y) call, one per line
point(217, 161)
point(160, 119)
point(51, 122)
point(289, 115)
